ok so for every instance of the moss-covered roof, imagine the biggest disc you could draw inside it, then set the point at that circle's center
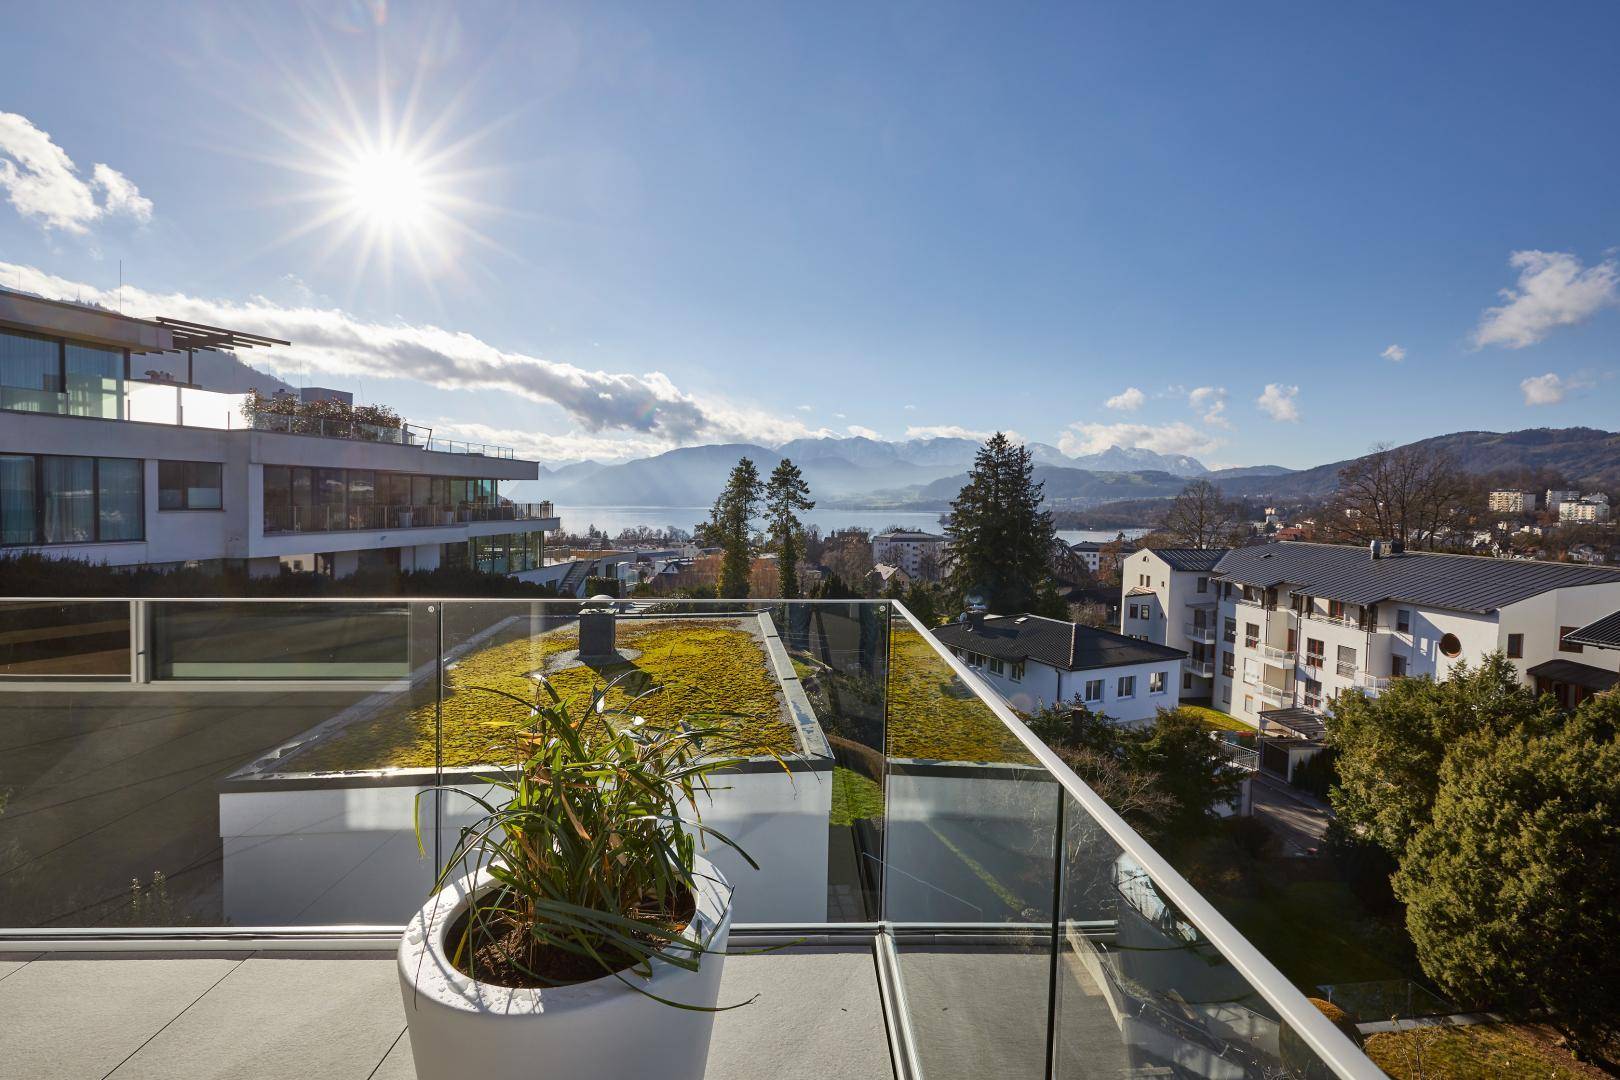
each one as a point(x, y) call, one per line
point(702, 666)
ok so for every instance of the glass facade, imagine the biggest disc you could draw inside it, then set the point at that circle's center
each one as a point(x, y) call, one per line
point(54, 499)
point(51, 375)
point(504, 553)
point(301, 499)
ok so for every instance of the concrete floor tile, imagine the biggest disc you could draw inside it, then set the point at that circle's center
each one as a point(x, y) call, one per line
point(69, 1018)
point(274, 1017)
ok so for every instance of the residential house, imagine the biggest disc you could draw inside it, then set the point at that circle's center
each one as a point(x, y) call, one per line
point(1587, 510)
point(919, 554)
point(1511, 501)
point(1302, 623)
point(1033, 661)
point(1167, 597)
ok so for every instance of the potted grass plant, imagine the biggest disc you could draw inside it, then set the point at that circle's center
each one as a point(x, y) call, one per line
point(576, 930)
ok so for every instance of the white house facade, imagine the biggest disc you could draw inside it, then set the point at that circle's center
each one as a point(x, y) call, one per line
point(100, 466)
point(1302, 623)
point(1169, 597)
point(908, 550)
point(1033, 662)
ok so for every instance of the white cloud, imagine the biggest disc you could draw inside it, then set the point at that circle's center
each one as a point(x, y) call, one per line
point(542, 446)
point(910, 408)
point(42, 183)
point(1394, 354)
point(1554, 290)
point(862, 432)
point(802, 408)
point(1279, 402)
point(945, 431)
point(1176, 438)
point(333, 342)
point(1128, 400)
point(1545, 389)
point(1211, 401)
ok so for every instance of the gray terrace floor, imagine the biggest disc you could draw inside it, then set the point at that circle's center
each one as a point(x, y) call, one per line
point(251, 1015)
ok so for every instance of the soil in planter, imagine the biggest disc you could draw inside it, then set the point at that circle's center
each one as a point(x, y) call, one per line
point(508, 955)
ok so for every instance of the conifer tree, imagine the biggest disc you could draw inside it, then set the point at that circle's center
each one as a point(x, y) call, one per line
point(786, 494)
point(727, 528)
point(1001, 539)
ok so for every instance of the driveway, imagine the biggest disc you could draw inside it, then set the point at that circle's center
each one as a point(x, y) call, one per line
point(1298, 820)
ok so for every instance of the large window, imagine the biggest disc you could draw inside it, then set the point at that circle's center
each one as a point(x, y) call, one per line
point(299, 499)
point(51, 499)
point(193, 485)
point(41, 374)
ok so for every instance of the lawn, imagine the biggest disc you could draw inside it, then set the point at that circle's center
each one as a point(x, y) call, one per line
point(933, 714)
point(703, 667)
point(1216, 720)
point(1478, 1052)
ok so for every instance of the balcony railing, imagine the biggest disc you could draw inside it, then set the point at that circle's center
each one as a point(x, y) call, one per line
point(320, 519)
point(258, 767)
point(1244, 757)
point(1272, 652)
point(1335, 620)
point(1203, 669)
point(1195, 632)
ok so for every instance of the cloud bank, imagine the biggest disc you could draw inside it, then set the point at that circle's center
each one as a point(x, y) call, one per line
point(1279, 402)
point(1176, 438)
point(1128, 400)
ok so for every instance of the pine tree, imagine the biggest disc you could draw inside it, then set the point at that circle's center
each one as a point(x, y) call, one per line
point(727, 528)
point(1001, 540)
point(786, 493)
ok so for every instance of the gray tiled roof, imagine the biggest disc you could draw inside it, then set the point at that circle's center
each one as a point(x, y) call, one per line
point(1604, 634)
point(1568, 671)
point(1455, 582)
point(1053, 642)
point(1200, 559)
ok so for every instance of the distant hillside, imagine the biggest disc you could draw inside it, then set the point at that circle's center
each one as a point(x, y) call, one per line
point(1248, 470)
point(1586, 457)
point(1074, 487)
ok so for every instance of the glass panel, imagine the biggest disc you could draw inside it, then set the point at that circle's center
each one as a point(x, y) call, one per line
point(362, 499)
point(1140, 990)
point(118, 504)
point(70, 503)
point(421, 491)
point(278, 499)
point(17, 511)
point(95, 381)
point(233, 640)
point(969, 871)
point(172, 485)
point(79, 640)
point(30, 363)
point(204, 486)
point(224, 806)
point(330, 496)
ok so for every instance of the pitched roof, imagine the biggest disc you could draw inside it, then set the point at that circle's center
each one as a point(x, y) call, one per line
point(911, 535)
point(1456, 582)
point(1053, 642)
point(1199, 559)
point(1568, 671)
point(1603, 634)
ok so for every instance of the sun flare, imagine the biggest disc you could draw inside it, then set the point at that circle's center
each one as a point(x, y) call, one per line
point(388, 189)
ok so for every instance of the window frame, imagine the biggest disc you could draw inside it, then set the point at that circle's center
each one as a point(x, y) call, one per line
point(39, 497)
point(1515, 646)
point(186, 486)
point(1101, 688)
point(1120, 691)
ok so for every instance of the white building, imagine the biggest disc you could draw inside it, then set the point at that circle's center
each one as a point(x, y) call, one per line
point(100, 466)
point(1167, 597)
point(1557, 497)
point(907, 550)
point(1587, 510)
point(1033, 661)
point(1088, 552)
point(1511, 501)
point(1302, 623)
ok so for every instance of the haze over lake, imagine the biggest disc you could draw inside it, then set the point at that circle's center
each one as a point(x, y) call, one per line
point(614, 519)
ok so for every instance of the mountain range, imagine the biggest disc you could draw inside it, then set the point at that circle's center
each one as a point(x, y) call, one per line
point(925, 474)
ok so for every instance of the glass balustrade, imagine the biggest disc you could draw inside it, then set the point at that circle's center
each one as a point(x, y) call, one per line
point(209, 766)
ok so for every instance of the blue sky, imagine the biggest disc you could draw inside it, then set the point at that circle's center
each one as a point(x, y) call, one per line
point(1198, 228)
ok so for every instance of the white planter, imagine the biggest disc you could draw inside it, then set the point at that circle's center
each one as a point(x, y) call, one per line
point(599, 1029)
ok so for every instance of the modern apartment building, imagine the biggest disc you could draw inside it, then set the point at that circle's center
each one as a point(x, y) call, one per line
point(1302, 623)
point(1556, 497)
point(98, 465)
point(1033, 661)
point(1511, 501)
point(1587, 510)
point(909, 550)
point(1169, 598)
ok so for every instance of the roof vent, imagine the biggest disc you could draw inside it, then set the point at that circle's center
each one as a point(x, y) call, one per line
point(1377, 549)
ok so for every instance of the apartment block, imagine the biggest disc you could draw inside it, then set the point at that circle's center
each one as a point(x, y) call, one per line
point(919, 554)
point(1587, 510)
point(1510, 501)
point(99, 465)
point(1168, 597)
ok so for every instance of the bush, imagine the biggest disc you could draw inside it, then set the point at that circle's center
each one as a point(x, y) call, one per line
point(1317, 775)
point(601, 586)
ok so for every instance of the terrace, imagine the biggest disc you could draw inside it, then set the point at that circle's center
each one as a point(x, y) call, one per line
point(958, 903)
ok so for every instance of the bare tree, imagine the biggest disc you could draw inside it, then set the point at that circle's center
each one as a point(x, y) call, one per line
point(1201, 516)
point(1405, 493)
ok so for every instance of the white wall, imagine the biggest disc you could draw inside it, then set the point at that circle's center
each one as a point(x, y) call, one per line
point(1044, 685)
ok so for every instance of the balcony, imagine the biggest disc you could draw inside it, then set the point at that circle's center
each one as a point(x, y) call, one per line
point(1204, 634)
point(1203, 669)
point(964, 906)
point(1272, 652)
point(323, 519)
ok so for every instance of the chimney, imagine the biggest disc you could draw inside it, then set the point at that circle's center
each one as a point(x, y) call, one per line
point(1377, 549)
point(1397, 547)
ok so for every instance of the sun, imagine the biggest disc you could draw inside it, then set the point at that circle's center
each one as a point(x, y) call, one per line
point(388, 189)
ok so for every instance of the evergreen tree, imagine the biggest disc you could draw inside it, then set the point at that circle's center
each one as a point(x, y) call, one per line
point(1001, 539)
point(786, 494)
point(727, 528)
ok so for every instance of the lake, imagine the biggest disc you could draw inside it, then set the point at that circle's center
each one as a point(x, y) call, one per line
point(614, 519)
